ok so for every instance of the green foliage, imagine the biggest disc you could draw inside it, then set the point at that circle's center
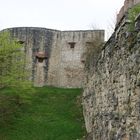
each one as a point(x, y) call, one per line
point(132, 14)
point(47, 114)
point(13, 77)
point(12, 63)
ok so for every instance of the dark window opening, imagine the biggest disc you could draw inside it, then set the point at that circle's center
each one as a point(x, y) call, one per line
point(40, 60)
point(89, 43)
point(72, 44)
point(83, 61)
point(20, 42)
point(41, 56)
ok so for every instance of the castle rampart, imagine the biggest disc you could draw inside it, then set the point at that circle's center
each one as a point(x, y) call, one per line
point(55, 57)
point(127, 4)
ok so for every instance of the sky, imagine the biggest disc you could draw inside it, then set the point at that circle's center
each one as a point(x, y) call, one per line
point(60, 14)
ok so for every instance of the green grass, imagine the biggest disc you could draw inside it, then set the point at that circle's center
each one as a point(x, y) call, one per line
point(45, 114)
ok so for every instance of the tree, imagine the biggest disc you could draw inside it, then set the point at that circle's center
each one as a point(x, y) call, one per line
point(13, 72)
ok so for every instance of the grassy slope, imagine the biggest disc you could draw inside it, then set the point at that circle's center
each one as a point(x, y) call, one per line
point(51, 114)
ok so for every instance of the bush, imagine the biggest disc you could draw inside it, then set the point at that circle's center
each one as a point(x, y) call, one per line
point(13, 76)
point(13, 72)
point(132, 14)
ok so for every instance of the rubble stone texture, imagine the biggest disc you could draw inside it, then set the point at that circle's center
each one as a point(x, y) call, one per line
point(111, 98)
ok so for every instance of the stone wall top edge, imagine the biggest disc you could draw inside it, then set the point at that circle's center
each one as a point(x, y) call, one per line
point(98, 30)
point(53, 30)
point(32, 28)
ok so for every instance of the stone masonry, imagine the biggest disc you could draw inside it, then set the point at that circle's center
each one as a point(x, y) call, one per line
point(111, 98)
point(55, 57)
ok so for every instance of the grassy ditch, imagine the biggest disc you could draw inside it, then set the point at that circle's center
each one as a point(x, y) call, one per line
point(44, 114)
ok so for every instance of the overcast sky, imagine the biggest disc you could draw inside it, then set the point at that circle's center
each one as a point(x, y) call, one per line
point(59, 14)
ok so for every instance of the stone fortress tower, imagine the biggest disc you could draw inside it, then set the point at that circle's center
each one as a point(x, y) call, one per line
point(55, 57)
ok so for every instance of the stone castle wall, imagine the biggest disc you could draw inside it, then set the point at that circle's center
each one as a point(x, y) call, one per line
point(111, 98)
point(55, 57)
point(70, 68)
point(127, 4)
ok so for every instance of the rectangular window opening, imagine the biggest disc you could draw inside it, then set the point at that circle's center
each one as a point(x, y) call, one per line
point(72, 44)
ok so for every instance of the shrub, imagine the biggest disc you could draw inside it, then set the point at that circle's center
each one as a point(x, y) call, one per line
point(132, 14)
point(13, 72)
